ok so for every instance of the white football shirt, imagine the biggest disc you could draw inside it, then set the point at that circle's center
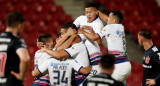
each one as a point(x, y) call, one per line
point(115, 36)
point(60, 72)
point(79, 52)
point(96, 24)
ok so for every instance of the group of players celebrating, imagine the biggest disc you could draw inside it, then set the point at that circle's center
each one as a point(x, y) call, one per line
point(76, 58)
point(81, 46)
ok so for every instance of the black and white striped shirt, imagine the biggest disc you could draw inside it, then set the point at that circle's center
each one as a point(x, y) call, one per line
point(101, 80)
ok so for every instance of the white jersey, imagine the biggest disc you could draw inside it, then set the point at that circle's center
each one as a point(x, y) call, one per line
point(39, 58)
point(96, 24)
point(92, 46)
point(60, 72)
point(79, 52)
point(115, 36)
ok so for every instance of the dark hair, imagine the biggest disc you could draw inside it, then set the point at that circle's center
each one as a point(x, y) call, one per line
point(14, 18)
point(90, 5)
point(59, 32)
point(145, 33)
point(44, 38)
point(118, 15)
point(107, 61)
point(68, 25)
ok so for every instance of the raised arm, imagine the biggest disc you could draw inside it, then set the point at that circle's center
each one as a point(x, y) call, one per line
point(103, 16)
point(62, 40)
point(56, 54)
point(93, 36)
point(67, 43)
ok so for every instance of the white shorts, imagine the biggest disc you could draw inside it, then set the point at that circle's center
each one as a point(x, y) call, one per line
point(121, 71)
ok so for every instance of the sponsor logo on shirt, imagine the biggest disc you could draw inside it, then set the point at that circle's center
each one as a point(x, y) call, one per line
point(146, 66)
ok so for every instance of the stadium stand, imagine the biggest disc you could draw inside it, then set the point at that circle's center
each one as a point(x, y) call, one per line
point(42, 16)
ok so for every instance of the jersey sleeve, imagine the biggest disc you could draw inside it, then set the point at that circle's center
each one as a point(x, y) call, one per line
point(35, 61)
point(156, 57)
point(104, 32)
point(43, 67)
point(77, 22)
point(73, 50)
point(76, 65)
point(20, 43)
point(82, 37)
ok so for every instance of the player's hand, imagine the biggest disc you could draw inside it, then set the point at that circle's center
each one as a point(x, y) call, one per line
point(18, 75)
point(80, 31)
point(44, 48)
point(71, 31)
point(150, 82)
point(39, 44)
point(87, 28)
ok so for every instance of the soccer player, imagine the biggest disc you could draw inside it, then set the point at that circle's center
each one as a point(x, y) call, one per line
point(115, 36)
point(77, 51)
point(104, 78)
point(14, 57)
point(91, 19)
point(60, 70)
point(151, 60)
point(40, 58)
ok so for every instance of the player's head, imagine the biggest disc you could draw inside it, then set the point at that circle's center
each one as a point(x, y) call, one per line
point(15, 20)
point(107, 63)
point(46, 39)
point(91, 12)
point(115, 17)
point(144, 35)
point(66, 26)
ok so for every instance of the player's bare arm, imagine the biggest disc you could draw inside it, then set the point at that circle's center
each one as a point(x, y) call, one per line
point(24, 63)
point(92, 36)
point(56, 54)
point(69, 33)
point(103, 16)
point(35, 73)
point(67, 43)
point(86, 70)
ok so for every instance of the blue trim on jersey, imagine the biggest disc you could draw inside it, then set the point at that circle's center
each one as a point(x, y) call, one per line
point(39, 70)
point(99, 36)
point(95, 63)
point(80, 37)
point(79, 69)
point(121, 60)
point(67, 52)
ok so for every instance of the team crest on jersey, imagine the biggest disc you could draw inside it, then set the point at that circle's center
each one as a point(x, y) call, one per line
point(73, 47)
point(147, 60)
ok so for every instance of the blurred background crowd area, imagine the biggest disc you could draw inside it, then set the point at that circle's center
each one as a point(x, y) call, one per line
point(46, 16)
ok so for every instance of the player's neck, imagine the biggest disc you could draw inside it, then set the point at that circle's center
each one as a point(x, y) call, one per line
point(147, 45)
point(107, 72)
point(12, 30)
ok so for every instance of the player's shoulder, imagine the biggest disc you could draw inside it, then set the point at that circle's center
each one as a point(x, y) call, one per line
point(98, 20)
